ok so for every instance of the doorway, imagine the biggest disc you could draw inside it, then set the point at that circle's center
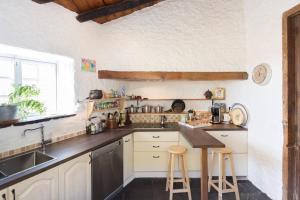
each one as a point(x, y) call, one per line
point(291, 103)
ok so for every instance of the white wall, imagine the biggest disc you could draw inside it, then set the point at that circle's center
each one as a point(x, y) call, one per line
point(263, 22)
point(51, 28)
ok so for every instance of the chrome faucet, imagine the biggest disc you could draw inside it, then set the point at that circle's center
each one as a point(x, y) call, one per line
point(163, 119)
point(44, 142)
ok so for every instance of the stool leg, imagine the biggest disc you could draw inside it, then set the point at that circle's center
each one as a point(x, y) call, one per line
point(220, 193)
point(186, 176)
point(168, 173)
point(236, 189)
point(171, 177)
point(224, 174)
point(211, 170)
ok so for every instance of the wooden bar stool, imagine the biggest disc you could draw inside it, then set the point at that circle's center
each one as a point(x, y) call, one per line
point(222, 182)
point(177, 150)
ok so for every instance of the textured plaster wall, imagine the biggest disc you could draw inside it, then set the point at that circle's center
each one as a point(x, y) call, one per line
point(263, 22)
point(193, 35)
point(50, 28)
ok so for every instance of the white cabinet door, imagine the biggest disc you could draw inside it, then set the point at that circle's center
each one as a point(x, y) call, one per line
point(75, 179)
point(236, 140)
point(128, 172)
point(3, 194)
point(43, 186)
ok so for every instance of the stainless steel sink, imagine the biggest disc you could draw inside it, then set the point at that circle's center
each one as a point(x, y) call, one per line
point(22, 162)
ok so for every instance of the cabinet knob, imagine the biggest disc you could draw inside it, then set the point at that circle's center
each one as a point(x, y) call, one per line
point(127, 140)
point(156, 146)
point(155, 137)
point(155, 156)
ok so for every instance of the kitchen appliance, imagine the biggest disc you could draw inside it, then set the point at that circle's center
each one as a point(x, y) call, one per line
point(178, 106)
point(107, 171)
point(95, 94)
point(216, 114)
point(146, 109)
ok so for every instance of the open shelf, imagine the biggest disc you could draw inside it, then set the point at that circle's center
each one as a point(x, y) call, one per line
point(187, 99)
point(165, 75)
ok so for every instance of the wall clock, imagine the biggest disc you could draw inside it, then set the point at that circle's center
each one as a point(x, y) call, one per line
point(262, 74)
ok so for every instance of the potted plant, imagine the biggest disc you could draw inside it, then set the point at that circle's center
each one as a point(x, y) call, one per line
point(21, 103)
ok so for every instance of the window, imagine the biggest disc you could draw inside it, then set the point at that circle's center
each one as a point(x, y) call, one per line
point(53, 75)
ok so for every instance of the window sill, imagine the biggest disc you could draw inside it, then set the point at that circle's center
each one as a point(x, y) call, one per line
point(39, 119)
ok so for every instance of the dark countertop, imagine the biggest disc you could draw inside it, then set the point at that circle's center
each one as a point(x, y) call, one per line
point(69, 149)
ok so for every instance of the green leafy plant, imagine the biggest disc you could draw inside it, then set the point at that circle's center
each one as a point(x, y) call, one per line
point(24, 97)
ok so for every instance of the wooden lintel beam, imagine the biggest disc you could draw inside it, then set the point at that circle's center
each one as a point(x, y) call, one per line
point(114, 8)
point(193, 76)
point(42, 1)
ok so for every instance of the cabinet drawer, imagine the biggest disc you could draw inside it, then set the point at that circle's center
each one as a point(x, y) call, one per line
point(150, 161)
point(153, 146)
point(163, 136)
point(236, 140)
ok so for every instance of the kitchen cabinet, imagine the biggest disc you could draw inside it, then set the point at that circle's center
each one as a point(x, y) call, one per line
point(150, 150)
point(75, 179)
point(4, 194)
point(43, 186)
point(128, 173)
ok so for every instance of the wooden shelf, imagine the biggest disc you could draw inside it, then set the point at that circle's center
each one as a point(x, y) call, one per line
point(193, 76)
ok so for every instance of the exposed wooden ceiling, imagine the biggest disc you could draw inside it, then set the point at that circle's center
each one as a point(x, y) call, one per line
point(102, 11)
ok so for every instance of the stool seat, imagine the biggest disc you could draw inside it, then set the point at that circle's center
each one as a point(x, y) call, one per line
point(225, 150)
point(176, 149)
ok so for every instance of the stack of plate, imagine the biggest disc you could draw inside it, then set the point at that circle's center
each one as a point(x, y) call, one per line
point(238, 114)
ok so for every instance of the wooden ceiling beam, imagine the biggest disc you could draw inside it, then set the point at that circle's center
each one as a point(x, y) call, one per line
point(115, 8)
point(42, 1)
point(193, 76)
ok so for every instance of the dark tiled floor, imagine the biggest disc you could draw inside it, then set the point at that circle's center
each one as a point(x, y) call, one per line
point(154, 189)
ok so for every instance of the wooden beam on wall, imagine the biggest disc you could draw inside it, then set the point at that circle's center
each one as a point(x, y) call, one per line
point(193, 76)
point(42, 1)
point(123, 6)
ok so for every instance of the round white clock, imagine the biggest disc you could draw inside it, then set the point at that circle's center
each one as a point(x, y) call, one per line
point(262, 74)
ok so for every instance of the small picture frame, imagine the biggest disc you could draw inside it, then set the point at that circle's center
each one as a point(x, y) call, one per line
point(219, 93)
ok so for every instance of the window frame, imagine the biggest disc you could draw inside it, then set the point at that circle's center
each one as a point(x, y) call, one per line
point(18, 78)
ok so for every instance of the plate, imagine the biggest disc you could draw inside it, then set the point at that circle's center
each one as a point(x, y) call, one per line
point(239, 114)
point(178, 106)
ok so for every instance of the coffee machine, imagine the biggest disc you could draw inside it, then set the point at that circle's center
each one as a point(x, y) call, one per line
point(217, 111)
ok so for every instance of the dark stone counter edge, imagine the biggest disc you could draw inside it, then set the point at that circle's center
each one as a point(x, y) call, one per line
point(21, 176)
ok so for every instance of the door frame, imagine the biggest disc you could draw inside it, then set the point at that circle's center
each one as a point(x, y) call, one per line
point(290, 153)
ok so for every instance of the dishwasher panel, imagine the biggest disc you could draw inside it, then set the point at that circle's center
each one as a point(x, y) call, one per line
point(107, 171)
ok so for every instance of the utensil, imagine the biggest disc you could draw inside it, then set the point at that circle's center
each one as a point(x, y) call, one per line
point(239, 114)
point(146, 109)
point(158, 109)
point(178, 106)
point(133, 109)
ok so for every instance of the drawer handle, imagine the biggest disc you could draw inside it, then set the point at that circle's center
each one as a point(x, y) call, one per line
point(127, 140)
point(3, 196)
point(155, 137)
point(155, 156)
point(156, 146)
point(224, 135)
